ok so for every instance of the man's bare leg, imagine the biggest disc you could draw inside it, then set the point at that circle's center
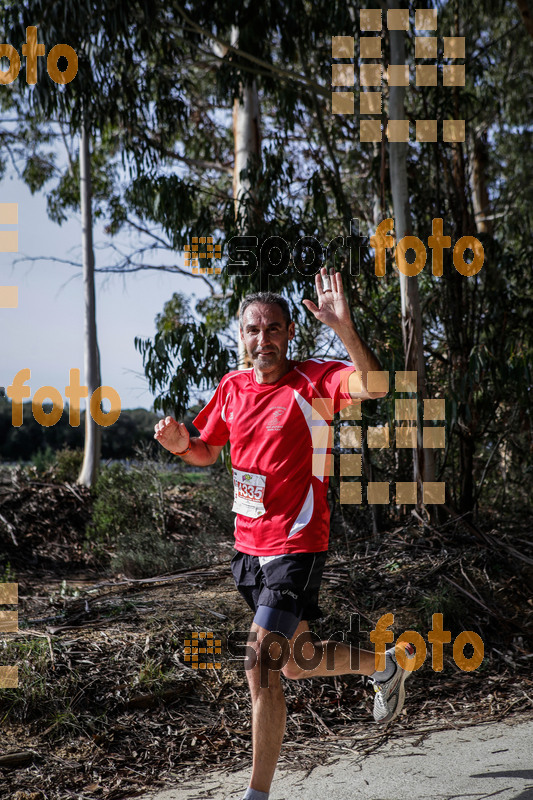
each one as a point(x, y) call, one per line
point(326, 657)
point(268, 700)
point(268, 709)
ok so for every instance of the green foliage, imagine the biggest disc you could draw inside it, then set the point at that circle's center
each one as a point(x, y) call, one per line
point(443, 601)
point(129, 516)
point(67, 465)
point(65, 196)
point(170, 202)
point(32, 658)
point(187, 353)
point(133, 429)
point(215, 314)
point(141, 554)
point(43, 459)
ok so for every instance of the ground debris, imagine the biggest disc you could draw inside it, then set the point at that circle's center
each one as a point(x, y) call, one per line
point(109, 705)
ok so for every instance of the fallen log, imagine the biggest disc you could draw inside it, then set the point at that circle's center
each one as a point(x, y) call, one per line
point(17, 759)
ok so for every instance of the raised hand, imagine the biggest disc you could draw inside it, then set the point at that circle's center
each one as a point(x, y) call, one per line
point(172, 435)
point(332, 307)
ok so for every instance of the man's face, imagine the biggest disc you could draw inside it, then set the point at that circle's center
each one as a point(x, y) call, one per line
point(266, 336)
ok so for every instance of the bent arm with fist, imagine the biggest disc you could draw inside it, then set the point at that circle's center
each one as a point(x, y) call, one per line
point(174, 437)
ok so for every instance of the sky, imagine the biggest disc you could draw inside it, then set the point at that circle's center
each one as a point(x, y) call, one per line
point(45, 332)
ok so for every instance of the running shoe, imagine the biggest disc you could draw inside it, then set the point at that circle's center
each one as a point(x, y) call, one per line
point(390, 695)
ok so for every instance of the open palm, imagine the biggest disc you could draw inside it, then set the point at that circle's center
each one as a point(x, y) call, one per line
point(332, 309)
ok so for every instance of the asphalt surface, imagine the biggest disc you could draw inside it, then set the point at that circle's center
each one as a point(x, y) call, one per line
point(472, 763)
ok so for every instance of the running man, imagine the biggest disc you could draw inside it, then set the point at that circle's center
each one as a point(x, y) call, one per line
point(282, 514)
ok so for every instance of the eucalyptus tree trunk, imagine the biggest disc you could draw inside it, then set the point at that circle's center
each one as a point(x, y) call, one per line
point(93, 432)
point(247, 148)
point(479, 158)
point(423, 460)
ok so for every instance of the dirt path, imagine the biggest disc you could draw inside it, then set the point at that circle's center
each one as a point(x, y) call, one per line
point(478, 762)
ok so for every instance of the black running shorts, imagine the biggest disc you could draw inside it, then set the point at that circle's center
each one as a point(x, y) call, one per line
point(288, 583)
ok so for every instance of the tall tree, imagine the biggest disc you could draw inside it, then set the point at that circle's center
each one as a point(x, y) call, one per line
point(104, 96)
point(247, 147)
point(412, 330)
point(93, 379)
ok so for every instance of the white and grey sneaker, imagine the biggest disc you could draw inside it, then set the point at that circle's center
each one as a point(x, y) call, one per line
point(390, 695)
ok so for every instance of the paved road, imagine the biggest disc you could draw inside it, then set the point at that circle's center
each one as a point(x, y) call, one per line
point(476, 763)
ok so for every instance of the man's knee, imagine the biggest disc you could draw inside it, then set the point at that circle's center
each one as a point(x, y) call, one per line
point(306, 655)
point(267, 656)
point(292, 671)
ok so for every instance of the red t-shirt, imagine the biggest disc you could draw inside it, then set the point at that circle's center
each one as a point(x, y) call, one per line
point(279, 450)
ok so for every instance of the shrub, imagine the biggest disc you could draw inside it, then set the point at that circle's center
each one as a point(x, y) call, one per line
point(120, 501)
point(140, 554)
point(67, 465)
point(442, 600)
point(43, 459)
point(129, 516)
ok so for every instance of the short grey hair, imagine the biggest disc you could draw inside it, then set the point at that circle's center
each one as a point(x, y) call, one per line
point(267, 299)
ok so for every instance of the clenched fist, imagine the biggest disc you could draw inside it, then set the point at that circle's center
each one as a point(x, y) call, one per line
point(173, 435)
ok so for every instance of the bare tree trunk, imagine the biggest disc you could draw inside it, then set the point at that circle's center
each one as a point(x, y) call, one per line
point(247, 143)
point(423, 460)
point(93, 433)
point(247, 146)
point(480, 193)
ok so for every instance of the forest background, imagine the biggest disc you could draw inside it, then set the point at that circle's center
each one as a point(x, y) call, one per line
point(214, 119)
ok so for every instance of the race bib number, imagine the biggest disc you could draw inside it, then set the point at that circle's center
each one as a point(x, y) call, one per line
point(249, 491)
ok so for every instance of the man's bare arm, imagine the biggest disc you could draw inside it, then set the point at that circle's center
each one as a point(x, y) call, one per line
point(363, 360)
point(174, 437)
point(333, 311)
